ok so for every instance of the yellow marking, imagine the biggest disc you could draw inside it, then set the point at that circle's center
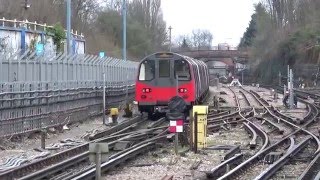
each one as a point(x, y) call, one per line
point(114, 111)
point(202, 125)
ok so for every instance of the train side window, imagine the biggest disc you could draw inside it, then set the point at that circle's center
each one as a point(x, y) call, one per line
point(147, 72)
point(164, 68)
point(181, 68)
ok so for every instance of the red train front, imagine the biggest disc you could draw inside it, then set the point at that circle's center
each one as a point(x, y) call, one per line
point(164, 75)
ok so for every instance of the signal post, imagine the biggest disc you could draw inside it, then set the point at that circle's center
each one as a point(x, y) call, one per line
point(176, 115)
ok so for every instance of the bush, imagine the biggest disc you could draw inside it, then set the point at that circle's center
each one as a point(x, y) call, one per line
point(58, 35)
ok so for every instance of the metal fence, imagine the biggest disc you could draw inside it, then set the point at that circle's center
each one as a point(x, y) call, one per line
point(44, 91)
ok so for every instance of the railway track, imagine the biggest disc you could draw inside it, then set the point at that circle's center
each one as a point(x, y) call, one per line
point(115, 159)
point(139, 148)
point(67, 158)
point(259, 139)
point(295, 141)
point(312, 171)
point(275, 138)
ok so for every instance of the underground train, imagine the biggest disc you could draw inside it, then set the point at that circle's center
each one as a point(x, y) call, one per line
point(164, 75)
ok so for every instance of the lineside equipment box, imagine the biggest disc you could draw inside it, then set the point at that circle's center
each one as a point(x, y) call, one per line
point(202, 113)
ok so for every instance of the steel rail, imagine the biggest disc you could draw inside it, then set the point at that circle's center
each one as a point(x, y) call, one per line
point(223, 116)
point(26, 169)
point(70, 162)
point(259, 155)
point(114, 160)
point(253, 135)
point(274, 125)
point(315, 138)
point(245, 98)
point(271, 170)
point(90, 173)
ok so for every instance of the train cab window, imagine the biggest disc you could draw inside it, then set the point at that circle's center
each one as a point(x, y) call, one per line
point(164, 68)
point(147, 72)
point(181, 68)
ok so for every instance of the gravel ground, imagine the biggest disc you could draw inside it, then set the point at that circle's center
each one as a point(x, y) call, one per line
point(164, 162)
point(228, 97)
point(290, 171)
point(266, 94)
point(161, 162)
point(252, 100)
point(295, 113)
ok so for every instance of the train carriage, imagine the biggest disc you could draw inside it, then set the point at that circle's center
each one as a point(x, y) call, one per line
point(164, 75)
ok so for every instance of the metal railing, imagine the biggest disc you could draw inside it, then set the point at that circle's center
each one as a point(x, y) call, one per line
point(33, 26)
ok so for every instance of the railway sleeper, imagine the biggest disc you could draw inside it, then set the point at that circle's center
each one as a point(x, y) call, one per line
point(218, 113)
point(272, 124)
point(312, 171)
point(225, 166)
point(219, 147)
point(122, 145)
point(272, 169)
point(156, 123)
point(225, 127)
point(115, 128)
point(272, 157)
point(213, 128)
point(231, 152)
point(115, 160)
point(156, 132)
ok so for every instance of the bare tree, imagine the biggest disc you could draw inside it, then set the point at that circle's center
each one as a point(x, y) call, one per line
point(201, 39)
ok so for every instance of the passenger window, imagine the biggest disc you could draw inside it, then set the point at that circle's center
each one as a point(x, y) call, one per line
point(147, 72)
point(181, 68)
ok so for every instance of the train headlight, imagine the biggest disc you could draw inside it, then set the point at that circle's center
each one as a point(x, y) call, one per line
point(146, 90)
point(182, 90)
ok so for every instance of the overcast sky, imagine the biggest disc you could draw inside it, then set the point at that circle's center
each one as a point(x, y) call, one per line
point(226, 19)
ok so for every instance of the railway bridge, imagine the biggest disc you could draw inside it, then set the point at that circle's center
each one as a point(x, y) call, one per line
point(223, 62)
point(212, 55)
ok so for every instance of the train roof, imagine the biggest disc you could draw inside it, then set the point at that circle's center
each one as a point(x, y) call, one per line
point(173, 55)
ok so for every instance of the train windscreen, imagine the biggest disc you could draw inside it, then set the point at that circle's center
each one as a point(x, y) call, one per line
point(147, 70)
point(181, 68)
point(164, 68)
